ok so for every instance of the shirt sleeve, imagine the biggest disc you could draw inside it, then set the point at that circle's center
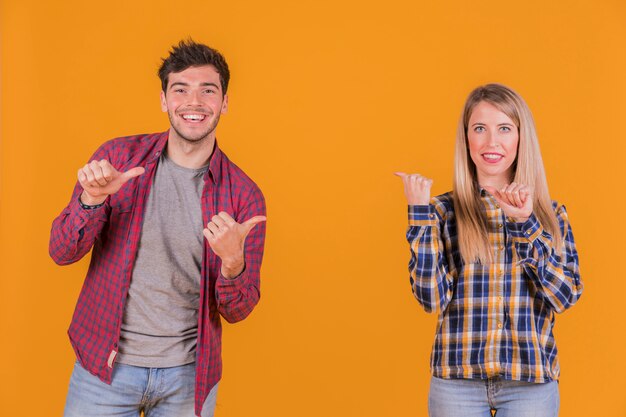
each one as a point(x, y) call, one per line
point(554, 271)
point(431, 281)
point(76, 229)
point(237, 297)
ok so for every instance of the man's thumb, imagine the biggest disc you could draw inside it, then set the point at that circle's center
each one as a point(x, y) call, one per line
point(132, 173)
point(250, 223)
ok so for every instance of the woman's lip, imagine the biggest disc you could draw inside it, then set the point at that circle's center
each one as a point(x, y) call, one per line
point(498, 157)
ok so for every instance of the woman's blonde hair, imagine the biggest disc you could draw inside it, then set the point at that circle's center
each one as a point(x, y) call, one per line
point(528, 168)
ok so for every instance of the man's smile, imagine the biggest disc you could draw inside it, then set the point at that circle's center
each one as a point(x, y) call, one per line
point(193, 117)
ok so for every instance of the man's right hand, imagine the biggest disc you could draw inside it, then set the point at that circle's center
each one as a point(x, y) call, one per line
point(100, 179)
point(416, 188)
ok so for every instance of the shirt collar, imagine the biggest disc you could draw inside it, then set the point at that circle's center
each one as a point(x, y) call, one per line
point(214, 172)
point(215, 160)
point(159, 147)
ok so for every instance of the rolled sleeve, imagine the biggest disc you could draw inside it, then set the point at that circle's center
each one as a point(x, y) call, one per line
point(528, 231)
point(422, 215)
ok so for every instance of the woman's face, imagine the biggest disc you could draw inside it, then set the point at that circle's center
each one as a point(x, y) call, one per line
point(492, 139)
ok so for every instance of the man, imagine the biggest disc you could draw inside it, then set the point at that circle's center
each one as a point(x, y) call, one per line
point(146, 330)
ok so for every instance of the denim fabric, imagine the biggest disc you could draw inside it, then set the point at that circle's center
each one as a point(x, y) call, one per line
point(478, 397)
point(158, 392)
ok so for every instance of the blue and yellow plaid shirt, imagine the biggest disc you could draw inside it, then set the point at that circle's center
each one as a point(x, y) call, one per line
point(494, 319)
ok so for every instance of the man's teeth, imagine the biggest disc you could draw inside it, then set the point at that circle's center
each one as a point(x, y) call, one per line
point(193, 117)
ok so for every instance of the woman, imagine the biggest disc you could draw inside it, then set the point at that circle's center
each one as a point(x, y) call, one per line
point(496, 259)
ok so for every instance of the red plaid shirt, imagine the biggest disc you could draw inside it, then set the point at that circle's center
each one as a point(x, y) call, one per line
point(113, 231)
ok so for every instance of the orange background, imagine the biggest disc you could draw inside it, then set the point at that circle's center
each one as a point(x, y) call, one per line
point(327, 99)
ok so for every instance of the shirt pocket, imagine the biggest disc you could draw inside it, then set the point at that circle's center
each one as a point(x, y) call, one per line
point(121, 202)
point(120, 217)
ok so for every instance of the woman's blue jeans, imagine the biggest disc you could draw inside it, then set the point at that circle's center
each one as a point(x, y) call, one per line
point(478, 397)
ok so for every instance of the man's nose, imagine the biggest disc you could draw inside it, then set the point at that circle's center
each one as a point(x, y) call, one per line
point(195, 98)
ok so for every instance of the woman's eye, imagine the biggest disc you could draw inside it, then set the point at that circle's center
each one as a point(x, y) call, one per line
point(505, 129)
point(479, 129)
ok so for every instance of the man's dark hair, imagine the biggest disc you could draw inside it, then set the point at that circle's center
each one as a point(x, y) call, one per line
point(191, 54)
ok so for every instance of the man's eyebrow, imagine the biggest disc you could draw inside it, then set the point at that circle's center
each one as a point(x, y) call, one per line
point(205, 84)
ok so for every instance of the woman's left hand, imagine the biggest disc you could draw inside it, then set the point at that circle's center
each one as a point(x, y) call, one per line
point(515, 199)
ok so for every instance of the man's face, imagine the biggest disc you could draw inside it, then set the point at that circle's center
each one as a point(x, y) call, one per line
point(194, 102)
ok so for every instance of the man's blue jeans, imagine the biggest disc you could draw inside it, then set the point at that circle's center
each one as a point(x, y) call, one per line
point(476, 398)
point(158, 392)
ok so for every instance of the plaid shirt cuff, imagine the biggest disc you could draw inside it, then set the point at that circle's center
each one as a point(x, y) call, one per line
point(237, 282)
point(531, 229)
point(82, 215)
point(423, 215)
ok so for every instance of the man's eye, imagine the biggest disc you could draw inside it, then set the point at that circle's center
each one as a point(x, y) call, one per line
point(179, 90)
point(209, 91)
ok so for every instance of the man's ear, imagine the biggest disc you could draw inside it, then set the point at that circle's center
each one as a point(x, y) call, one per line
point(163, 102)
point(225, 105)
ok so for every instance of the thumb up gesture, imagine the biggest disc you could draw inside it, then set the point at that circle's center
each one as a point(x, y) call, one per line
point(227, 238)
point(416, 188)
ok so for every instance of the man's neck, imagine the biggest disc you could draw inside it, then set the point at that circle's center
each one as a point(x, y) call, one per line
point(188, 154)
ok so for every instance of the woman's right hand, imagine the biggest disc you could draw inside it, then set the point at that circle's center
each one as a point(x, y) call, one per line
point(416, 188)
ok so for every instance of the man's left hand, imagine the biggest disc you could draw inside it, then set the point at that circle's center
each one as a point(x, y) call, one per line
point(227, 238)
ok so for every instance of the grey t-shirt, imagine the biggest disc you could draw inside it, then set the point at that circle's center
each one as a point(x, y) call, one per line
point(160, 322)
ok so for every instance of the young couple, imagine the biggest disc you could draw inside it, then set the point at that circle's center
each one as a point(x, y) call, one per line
point(177, 232)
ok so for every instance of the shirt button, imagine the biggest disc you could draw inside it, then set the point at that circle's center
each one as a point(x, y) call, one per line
point(528, 231)
point(497, 206)
point(501, 247)
point(499, 325)
point(500, 225)
point(499, 298)
point(432, 216)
